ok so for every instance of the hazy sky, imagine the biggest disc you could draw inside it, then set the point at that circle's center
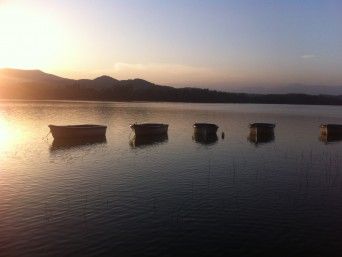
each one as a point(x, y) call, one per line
point(212, 43)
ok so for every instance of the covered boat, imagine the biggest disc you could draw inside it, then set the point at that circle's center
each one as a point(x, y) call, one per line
point(148, 129)
point(205, 128)
point(261, 128)
point(331, 129)
point(78, 131)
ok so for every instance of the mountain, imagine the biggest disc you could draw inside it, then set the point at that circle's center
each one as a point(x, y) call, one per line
point(35, 84)
point(27, 77)
point(103, 82)
point(16, 77)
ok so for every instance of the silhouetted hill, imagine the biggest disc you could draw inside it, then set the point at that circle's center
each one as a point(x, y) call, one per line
point(103, 82)
point(35, 84)
point(29, 76)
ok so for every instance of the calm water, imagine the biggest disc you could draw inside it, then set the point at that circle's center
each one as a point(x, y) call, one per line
point(174, 196)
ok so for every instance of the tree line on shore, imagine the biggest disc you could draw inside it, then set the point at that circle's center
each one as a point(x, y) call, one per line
point(49, 87)
point(160, 94)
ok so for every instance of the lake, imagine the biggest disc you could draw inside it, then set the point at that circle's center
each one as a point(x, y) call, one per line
point(175, 196)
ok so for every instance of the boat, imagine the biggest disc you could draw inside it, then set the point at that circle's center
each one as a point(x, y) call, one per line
point(78, 131)
point(261, 128)
point(148, 129)
point(331, 129)
point(205, 128)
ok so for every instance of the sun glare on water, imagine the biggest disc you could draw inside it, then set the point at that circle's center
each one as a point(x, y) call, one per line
point(5, 134)
point(9, 136)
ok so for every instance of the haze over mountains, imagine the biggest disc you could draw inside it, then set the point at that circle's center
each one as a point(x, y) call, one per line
point(16, 77)
point(35, 84)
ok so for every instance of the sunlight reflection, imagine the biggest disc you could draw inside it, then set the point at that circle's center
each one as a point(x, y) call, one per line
point(4, 130)
point(9, 136)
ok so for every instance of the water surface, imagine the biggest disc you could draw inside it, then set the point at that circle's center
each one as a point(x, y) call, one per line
point(172, 196)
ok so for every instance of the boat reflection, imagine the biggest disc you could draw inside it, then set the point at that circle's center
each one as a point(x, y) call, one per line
point(330, 138)
point(260, 138)
point(69, 143)
point(148, 140)
point(205, 139)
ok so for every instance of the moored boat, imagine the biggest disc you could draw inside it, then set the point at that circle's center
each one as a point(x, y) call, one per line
point(78, 131)
point(205, 128)
point(148, 129)
point(331, 129)
point(261, 128)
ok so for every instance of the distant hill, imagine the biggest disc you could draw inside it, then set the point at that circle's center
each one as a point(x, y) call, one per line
point(27, 77)
point(35, 84)
point(16, 77)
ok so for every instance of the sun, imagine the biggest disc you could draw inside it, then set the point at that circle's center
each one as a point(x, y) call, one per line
point(28, 39)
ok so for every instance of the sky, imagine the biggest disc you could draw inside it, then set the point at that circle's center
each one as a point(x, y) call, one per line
point(212, 43)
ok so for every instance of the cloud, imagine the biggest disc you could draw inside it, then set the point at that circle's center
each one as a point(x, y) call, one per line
point(308, 56)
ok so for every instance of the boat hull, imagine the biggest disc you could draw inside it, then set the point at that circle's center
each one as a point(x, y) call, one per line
point(261, 129)
point(331, 129)
point(78, 131)
point(205, 128)
point(149, 129)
